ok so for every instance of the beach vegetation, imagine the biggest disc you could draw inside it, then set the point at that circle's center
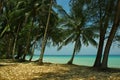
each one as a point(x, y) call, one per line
point(26, 25)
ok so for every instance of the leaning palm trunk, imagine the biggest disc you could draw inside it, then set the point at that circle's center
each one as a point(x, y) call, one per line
point(103, 29)
point(14, 46)
point(73, 55)
point(32, 52)
point(101, 40)
point(15, 42)
point(27, 46)
point(101, 43)
point(9, 49)
point(99, 53)
point(28, 40)
point(42, 52)
point(45, 36)
point(111, 36)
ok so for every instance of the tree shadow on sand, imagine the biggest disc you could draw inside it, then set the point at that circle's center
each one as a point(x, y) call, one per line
point(76, 73)
point(58, 75)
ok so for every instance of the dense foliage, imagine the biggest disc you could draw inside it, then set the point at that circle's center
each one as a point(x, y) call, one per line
point(29, 24)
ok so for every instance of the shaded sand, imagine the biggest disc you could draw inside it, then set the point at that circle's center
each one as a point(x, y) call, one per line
point(32, 71)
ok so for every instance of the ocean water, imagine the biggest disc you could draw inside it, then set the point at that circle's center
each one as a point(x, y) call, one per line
point(86, 60)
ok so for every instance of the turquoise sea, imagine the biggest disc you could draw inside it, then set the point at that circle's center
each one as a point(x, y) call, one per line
point(87, 60)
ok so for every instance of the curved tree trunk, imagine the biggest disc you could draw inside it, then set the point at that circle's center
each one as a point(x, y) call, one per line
point(45, 36)
point(42, 52)
point(27, 46)
point(111, 36)
point(101, 43)
point(20, 52)
point(32, 52)
point(71, 60)
point(8, 54)
point(99, 52)
point(28, 40)
point(103, 29)
point(15, 42)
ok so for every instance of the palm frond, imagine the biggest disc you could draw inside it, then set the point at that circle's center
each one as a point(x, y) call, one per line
point(85, 40)
point(16, 14)
point(5, 29)
point(60, 10)
point(92, 42)
point(69, 39)
point(66, 41)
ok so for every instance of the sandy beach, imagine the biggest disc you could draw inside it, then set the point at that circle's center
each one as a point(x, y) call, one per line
point(48, 71)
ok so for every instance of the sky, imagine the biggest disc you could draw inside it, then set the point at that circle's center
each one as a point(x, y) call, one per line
point(67, 50)
point(64, 4)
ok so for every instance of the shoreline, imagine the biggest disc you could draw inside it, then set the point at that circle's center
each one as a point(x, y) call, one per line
point(79, 60)
point(50, 71)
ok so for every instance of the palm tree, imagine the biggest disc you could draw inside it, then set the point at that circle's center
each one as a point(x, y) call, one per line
point(45, 34)
point(9, 6)
point(16, 20)
point(53, 31)
point(17, 15)
point(77, 31)
point(13, 20)
point(104, 23)
point(79, 34)
point(111, 35)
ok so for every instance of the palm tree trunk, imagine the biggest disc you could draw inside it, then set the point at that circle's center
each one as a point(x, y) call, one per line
point(45, 36)
point(9, 49)
point(111, 36)
point(33, 44)
point(101, 43)
point(24, 56)
point(25, 53)
point(99, 52)
point(42, 52)
point(15, 42)
point(103, 30)
point(32, 52)
point(73, 55)
point(28, 44)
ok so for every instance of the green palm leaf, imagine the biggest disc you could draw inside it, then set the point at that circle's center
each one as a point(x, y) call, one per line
point(5, 29)
point(15, 15)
